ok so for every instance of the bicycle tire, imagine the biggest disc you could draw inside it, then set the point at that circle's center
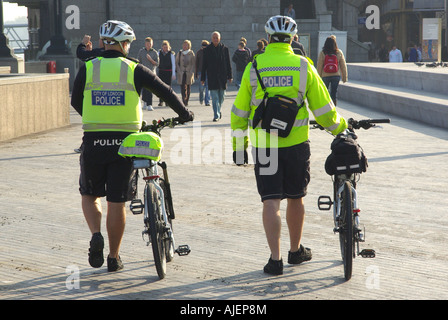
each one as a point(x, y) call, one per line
point(156, 228)
point(346, 229)
point(169, 243)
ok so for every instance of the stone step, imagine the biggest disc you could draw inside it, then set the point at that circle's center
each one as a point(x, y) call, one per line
point(427, 107)
point(403, 75)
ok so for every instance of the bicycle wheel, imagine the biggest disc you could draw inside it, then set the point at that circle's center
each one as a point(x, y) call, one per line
point(156, 229)
point(169, 243)
point(346, 230)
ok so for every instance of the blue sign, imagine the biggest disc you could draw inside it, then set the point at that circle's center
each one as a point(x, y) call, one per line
point(140, 143)
point(108, 98)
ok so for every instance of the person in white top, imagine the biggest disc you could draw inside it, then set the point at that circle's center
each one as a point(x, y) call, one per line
point(395, 55)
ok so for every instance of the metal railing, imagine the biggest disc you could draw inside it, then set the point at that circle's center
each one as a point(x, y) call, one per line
point(18, 36)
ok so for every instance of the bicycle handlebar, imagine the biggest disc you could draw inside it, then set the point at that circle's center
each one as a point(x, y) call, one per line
point(158, 125)
point(356, 124)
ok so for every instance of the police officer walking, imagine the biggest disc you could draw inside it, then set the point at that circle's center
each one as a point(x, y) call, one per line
point(282, 164)
point(106, 94)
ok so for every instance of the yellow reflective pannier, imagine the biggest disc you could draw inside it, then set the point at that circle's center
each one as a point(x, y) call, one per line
point(146, 145)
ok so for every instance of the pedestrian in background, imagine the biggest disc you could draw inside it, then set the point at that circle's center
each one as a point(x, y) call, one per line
point(167, 65)
point(148, 57)
point(298, 47)
point(265, 42)
point(395, 55)
point(241, 58)
point(332, 67)
point(216, 67)
point(204, 93)
point(383, 55)
point(413, 53)
point(244, 40)
point(290, 12)
point(185, 66)
point(259, 50)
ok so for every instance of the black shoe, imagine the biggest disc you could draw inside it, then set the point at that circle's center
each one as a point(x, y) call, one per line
point(303, 254)
point(114, 264)
point(274, 267)
point(96, 258)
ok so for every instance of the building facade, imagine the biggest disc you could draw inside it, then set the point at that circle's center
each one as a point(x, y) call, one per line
point(66, 21)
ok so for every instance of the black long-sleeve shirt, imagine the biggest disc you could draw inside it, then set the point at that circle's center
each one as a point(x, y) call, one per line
point(84, 55)
point(143, 78)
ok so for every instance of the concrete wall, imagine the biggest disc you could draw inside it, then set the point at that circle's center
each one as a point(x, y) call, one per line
point(33, 103)
point(177, 20)
point(5, 69)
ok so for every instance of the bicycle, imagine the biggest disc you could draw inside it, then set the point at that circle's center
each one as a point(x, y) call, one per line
point(345, 204)
point(157, 205)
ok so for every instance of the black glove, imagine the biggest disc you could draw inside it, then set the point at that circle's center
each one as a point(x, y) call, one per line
point(240, 157)
point(190, 117)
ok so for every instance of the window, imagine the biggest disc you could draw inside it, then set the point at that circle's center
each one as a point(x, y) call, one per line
point(304, 9)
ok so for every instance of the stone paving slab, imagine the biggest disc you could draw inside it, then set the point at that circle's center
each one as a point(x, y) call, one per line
point(44, 238)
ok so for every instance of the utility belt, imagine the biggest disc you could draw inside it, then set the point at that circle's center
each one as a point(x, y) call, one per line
point(277, 114)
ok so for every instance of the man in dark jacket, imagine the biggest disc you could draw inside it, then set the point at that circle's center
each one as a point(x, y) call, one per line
point(297, 47)
point(216, 67)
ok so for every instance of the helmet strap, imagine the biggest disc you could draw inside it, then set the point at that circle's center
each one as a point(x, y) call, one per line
point(125, 52)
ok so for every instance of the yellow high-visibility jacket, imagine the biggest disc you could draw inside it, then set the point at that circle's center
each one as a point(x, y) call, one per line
point(111, 102)
point(290, 75)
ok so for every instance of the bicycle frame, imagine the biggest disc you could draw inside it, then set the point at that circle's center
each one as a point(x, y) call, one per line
point(150, 168)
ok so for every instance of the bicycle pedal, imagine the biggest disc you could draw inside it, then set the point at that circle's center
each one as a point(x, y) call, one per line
point(367, 253)
point(183, 250)
point(136, 206)
point(324, 203)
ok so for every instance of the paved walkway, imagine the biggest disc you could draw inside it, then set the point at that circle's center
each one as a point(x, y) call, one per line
point(44, 238)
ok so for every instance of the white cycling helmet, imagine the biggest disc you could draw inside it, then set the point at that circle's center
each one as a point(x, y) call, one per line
point(117, 31)
point(281, 25)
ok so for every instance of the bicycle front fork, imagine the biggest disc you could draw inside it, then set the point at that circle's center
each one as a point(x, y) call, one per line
point(325, 203)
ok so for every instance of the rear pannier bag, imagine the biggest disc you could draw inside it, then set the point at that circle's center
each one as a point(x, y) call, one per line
point(346, 157)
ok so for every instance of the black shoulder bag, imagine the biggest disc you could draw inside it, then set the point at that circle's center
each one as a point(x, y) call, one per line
point(277, 114)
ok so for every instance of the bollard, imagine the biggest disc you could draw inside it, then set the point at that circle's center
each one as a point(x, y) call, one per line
point(51, 67)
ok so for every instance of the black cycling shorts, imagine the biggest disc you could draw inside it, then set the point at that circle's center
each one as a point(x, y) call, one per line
point(285, 175)
point(104, 173)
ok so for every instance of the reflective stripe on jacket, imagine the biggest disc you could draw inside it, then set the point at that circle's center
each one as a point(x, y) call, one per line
point(111, 102)
point(286, 74)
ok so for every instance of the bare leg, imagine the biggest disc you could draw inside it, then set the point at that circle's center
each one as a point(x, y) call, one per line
point(272, 226)
point(91, 206)
point(116, 220)
point(295, 218)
